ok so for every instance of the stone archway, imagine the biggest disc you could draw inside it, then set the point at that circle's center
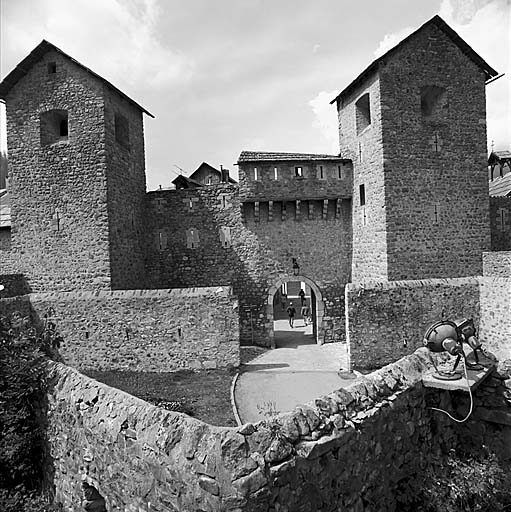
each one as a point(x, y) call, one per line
point(318, 307)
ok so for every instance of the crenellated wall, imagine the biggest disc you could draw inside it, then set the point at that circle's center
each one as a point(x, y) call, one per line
point(186, 246)
point(360, 448)
point(142, 330)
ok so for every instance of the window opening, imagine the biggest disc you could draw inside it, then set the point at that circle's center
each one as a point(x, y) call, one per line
point(433, 101)
point(122, 132)
point(321, 174)
point(339, 172)
point(299, 172)
point(53, 127)
point(52, 68)
point(362, 193)
point(276, 173)
point(192, 238)
point(225, 237)
point(363, 113)
point(256, 174)
point(209, 180)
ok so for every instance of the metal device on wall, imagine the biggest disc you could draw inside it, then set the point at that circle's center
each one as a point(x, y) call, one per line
point(449, 336)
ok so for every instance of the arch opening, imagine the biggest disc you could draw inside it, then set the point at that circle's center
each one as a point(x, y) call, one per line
point(284, 291)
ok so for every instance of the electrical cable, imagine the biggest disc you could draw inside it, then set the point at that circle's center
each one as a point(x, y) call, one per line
point(469, 392)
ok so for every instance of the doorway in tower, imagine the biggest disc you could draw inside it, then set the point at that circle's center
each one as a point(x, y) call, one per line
point(303, 297)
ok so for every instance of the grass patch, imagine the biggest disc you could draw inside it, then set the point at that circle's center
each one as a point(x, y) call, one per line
point(203, 394)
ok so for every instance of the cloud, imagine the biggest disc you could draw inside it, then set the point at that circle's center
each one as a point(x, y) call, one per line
point(115, 38)
point(391, 40)
point(325, 118)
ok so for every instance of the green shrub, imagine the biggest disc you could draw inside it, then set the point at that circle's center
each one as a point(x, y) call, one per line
point(462, 483)
point(23, 353)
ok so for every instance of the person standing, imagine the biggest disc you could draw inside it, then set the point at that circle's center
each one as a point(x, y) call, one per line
point(305, 312)
point(291, 312)
point(301, 294)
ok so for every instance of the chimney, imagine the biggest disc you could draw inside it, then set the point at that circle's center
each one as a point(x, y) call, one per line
point(225, 174)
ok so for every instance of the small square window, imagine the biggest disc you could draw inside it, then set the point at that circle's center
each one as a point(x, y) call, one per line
point(298, 172)
point(52, 68)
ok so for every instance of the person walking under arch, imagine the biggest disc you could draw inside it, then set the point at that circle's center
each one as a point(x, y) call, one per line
point(291, 312)
point(301, 294)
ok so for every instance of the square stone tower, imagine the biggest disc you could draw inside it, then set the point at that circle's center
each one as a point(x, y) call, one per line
point(76, 175)
point(414, 125)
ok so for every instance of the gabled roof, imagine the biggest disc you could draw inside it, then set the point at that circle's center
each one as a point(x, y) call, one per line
point(268, 156)
point(501, 186)
point(184, 182)
point(211, 169)
point(499, 156)
point(447, 30)
point(35, 55)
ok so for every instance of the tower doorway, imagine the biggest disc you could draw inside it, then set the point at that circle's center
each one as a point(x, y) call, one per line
point(299, 291)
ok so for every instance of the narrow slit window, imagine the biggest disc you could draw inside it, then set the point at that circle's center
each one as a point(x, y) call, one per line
point(122, 131)
point(362, 193)
point(299, 172)
point(340, 174)
point(321, 173)
point(275, 173)
point(256, 174)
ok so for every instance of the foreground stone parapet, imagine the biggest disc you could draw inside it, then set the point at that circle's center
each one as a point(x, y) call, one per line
point(348, 449)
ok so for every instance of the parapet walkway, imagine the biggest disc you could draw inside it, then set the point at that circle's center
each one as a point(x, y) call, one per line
point(294, 373)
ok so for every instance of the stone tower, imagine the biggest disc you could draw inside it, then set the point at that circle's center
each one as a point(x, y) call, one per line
point(413, 123)
point(77, 178)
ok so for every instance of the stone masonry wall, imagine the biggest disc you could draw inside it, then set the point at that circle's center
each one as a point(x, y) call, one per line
point(495, 324)
point(500, 223)
point(385, 321)
point(257, 255)
point(141, 330)
point(58, 190)
point(349, 450)
point(365, 150)
point(436, 187)
point(497, 264)
point(126, 189)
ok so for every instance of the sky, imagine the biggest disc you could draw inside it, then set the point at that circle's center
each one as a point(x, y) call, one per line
point(222, 76)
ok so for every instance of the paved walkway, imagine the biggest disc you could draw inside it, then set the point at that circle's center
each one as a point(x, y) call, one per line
point(294, 373)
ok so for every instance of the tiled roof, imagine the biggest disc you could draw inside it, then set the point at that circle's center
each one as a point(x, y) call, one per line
point(502, 154)
point(35, 55)
point(5, 210)
point(446, 29)
point(185, 182)
point(267, 156)
point(501, 186)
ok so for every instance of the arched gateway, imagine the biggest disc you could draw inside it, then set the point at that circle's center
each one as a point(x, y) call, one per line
point(317, 305)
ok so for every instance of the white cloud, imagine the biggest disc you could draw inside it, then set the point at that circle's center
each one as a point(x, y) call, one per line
point(325, 118)
point(391, 40)
point(115, 38)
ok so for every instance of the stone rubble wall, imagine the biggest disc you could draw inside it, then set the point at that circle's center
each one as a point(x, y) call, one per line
point(349, 449)
point(142, 330)
point(385, 321)
point(497, 264)
point(495, 324)
point(500, 231)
